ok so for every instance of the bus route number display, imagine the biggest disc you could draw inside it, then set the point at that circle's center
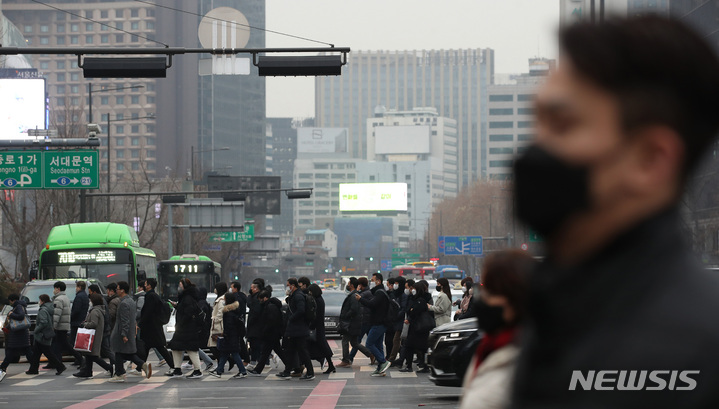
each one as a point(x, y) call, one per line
point(188, 268)
point(72, 257)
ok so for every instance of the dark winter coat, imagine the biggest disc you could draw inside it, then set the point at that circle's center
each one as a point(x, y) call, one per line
point(271, 320)
point(416, 308)
point(319, 348)
point(150, 324)
point(21, 338)
point(233, 328)
point(44, 332)
point(377, 305)
point(365, 312)
point(401, 299)
point(207, 324)
point(296, 324)
point(112, 305)
point(643, 303)
point(352, 314)
point(96, 320)
point(254, 325)
point(80, 306)
point(187, 331)
point(125, 326)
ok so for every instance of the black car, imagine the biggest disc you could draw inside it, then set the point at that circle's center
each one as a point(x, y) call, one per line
point(333, 306)
point(451, 347)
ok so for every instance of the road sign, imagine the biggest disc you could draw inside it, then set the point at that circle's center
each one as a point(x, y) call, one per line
point(71, 169)
point(21, 169)
point(234, 236)
point(534, 237)
point(463, 245)
point(524, 247)
point(386, 265)
point(440, 244)
point(214, 247)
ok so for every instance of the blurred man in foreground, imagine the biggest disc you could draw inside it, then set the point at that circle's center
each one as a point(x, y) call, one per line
point(621, 315)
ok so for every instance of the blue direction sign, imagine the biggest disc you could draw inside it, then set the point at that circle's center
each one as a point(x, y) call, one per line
point(386, 265)
point(463, 245)
point(440, 244)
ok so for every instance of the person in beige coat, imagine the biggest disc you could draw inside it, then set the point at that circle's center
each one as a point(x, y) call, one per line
point(500, 307)
point(217, 327)
point(442, 308)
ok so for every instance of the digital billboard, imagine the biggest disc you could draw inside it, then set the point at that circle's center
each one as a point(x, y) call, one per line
point(402, 139)
point(22, 106)
point(322, 140)
point(361, 197)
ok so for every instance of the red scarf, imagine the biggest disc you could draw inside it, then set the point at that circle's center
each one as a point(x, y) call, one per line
point(492, 342)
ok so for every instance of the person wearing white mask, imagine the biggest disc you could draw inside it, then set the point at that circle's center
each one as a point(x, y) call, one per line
point(396, 292)
point(465, 303)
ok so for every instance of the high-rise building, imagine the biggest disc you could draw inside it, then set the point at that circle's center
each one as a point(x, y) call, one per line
point(205, 113)
point(282, 152)
point(452, 81)
point(511, 117)
point(639, 7)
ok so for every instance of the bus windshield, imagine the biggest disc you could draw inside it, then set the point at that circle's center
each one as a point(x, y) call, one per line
point(201, 273)
point(105, 265)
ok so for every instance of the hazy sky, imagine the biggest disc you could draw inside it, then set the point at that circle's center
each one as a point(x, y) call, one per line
point(515, 29)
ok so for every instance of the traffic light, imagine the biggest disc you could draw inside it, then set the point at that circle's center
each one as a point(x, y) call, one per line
point(277, 270)
point(351, 258)
point(370, 258)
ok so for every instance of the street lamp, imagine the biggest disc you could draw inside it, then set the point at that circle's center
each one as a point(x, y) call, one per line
point(109, 131)
point(192, 157)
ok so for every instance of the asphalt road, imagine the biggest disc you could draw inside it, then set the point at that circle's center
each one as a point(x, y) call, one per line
point(347, 388)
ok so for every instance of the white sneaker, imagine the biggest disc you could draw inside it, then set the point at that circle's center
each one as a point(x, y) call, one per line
point(107, 373)
point(2, 375)
point(147, 369)
point(250, 366)
point(186, 365)
point(133, 372)
point(117, 379)
point(161, 363)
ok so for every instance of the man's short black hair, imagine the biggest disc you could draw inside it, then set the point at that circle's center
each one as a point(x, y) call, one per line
point(13, 297)
point(354, 282)
point(293, 281)
point(44, 298)
point(124, 286)
point(236, 284)
point(264, 294)
point(390, 280)
point(81, 284)
point(378, 276)
point(141, 283)
point(94, 288)
point(151, 282)
point(660, 71)
point(259, 282)
point(304, 280)
point(111, 287)
point(363, 282)
point(60, 285)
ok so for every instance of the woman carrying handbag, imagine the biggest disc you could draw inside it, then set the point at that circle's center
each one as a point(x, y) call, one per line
point(17, 337)
point(95, 320)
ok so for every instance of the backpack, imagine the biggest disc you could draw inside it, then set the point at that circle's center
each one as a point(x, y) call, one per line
point(392, 310)
point(165, 312)
point(310, 308)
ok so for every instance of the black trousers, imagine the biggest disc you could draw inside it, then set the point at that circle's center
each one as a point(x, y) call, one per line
point(86, 368)
point(267, 348)
point(256, 348)
point(166, 355)
point(388, 341)
point(61, 343)
point(298, 346)
point(120, 359)
point(39, 349)
point(105, 350)
point(13, 355)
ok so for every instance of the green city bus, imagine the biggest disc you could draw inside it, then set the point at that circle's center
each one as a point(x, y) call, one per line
point(108, 252)
point(201, 270)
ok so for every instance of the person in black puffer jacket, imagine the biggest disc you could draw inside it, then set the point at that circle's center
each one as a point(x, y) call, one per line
point(271, 331)
point(188, 328)
point(417, 317)
point(320, 348)
point(17, 342)
point(228, 343)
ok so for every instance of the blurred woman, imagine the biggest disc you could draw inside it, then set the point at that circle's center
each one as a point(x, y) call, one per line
point(95, 320)
point(319, 347)
point(17, 342)
point(421, 322)
point(442, 309)
point(500, 306)
point(228, 342)
point(216, 327)
point(188, 328)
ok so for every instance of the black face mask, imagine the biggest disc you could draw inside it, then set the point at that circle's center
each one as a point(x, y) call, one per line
point(547, 190)
point(489, 318)
point(438, 288)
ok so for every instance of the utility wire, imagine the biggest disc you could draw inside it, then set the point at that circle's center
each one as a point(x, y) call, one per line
point(100, 23)
point(244, 25)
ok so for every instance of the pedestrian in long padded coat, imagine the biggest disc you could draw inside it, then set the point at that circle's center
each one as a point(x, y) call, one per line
point(44, 333)
point(216, 327)
point(17, 341)
point(124, 335)
point(95, 320)
point(228, 343)
point(188, 328)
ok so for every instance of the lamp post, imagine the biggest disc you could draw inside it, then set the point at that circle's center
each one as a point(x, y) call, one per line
point(152, 116)
point(192, 157)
